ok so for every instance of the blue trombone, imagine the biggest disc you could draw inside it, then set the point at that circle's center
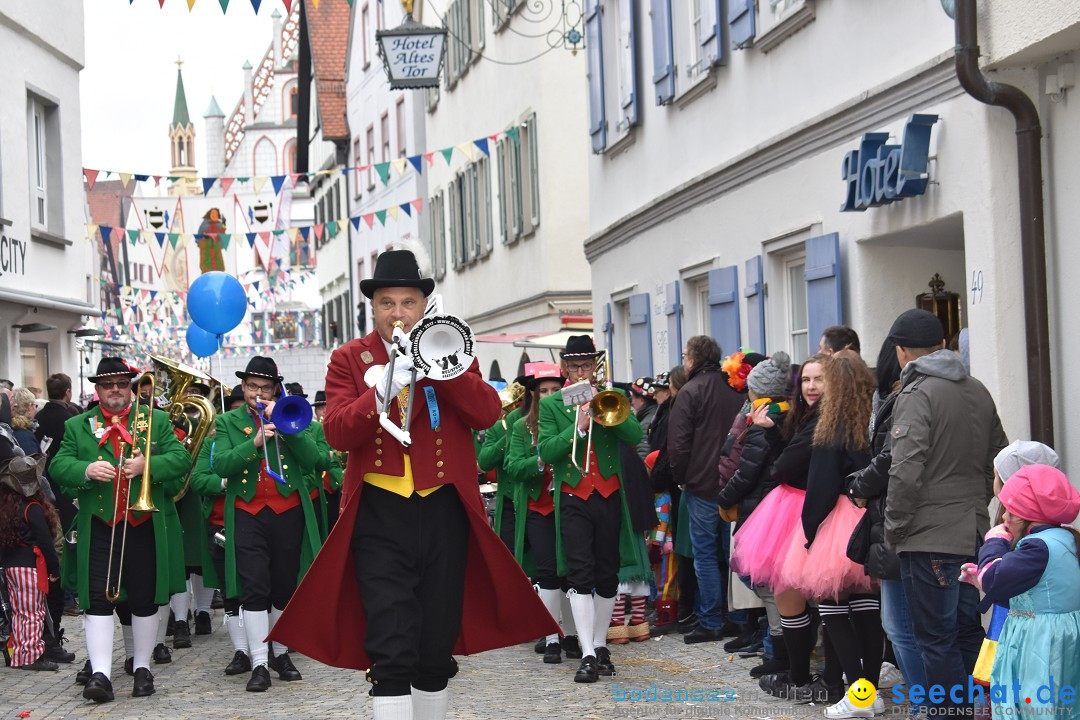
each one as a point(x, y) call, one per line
point(292, 415)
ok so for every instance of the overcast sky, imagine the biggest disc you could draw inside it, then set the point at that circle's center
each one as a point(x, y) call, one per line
point(129, 82)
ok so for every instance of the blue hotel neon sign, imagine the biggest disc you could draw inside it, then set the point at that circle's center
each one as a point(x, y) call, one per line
point(878, 174)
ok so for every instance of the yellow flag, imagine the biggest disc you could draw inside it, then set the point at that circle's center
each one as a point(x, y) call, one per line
point(399, 165)
point(465, 150)
point(260, 180)
point(125, 178)
point(190, 4)
point(392, 211)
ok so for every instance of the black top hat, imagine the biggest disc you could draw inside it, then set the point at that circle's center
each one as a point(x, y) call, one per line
point(112, 367)
point(579, 346)
point(260, 366)
point(396, 268)
point(320, 397)
point(295, 389)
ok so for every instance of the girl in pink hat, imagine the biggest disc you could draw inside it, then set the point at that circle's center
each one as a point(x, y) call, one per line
point(1030, 563)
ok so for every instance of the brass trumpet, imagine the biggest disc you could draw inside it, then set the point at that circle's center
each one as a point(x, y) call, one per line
point(143, 503)
point(608, 408)
point(511, 398)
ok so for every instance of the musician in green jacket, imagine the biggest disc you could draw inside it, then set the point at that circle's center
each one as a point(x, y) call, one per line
point(269, 518)
point(88, 467)
point(592, 518)
point(492, 456)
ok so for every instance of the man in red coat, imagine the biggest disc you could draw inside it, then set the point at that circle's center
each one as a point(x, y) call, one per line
point(412, 567)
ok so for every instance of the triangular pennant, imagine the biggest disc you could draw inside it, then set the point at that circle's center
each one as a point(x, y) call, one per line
point(157, 181)
point(225, 238)
point(173, 237)
point(399, 165)
point(331, 228)
point(160, 237)
point(355, 223)
point(418, 204)
point(255, 4)
point(482, 143)
point(226, 183)
point(369, 218)
point(296, 176)
point(430, 157)
point(305, 231)
point(407, 209)
point(416, 162)
point(292, 234)
point(161, 3)
point(260, 180)
point(288, 6)
point(125, 178)
point(172, 178)
point(190, 4)
point(315, 3)
point(380, 215)
point(207, 183)
point(277, 181)
point(106, 232)
point(318, 228)
point(384, 172)
point(494, 138)
point(251, 239)
point(392, 212)
point(141, 178)
point(447, 153)
point(466, 150)
point(514, 134)
point(133, 236)
point(91, 177)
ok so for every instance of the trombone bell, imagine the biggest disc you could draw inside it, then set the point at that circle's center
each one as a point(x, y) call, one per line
point(609, 408)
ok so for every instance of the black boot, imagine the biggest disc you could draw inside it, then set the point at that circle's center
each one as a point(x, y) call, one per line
point(745, 638)
point(778, 663)
point(260, 680)
point(144, 683)
point(54, 649)
point(283, 666)
point(181, 635)
point(240, 664)
point(571, 646)
point(587, 673)
point(218, 603)
point(202, 623)
point(169, 627)
point(83, 675)
point(40, 664)
point(553, 653)
point(162, 655)
point(129, 666)
point(98, 688)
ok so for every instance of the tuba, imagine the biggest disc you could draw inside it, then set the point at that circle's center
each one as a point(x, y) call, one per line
point(191, 413)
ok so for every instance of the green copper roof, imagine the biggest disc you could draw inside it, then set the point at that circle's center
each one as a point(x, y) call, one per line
point(213, 110)
point(180, 112)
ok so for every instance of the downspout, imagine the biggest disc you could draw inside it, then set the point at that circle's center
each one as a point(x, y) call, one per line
point(1032, 236)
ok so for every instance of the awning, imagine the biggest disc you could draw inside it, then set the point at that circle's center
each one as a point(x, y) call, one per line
point(554, 341)
point(506, 337)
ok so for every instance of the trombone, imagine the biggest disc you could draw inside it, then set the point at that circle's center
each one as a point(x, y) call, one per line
point(608, 408)
point(144, 502)
point(291, 415)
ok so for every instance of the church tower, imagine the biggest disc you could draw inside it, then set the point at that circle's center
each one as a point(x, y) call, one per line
point(182, 143)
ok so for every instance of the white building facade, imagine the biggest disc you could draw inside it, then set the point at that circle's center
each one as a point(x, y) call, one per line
point(727, 197)
point(46, 285)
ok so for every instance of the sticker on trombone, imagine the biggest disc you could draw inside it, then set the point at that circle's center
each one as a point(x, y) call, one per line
point(441, 346)
point(578, 393)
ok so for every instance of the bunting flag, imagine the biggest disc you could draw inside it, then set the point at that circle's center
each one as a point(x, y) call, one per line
point(91, 177)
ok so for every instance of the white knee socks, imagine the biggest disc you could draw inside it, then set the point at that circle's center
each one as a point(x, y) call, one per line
point(163, 623)
point(129, 640)
point(236, 633)
point(602, 619)
point(550, 598)
point(99, 642)
point(256, 627)
point(396, 707)
point(274, 615)
point(430, 705)
point(180, 603)
point(202, 594)
point(144, 630)
point(569, 627)
point(584, 611)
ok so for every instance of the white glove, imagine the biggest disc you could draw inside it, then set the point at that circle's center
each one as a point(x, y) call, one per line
point(403, 368)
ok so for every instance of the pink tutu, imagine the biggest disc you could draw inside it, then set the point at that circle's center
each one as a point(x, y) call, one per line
point(759, 545)
point(824, 571)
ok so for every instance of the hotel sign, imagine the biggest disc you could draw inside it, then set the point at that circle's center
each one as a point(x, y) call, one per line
point(878, 173)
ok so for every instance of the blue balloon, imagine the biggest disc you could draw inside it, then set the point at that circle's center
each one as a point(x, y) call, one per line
point(202, 343)
point(217, 302)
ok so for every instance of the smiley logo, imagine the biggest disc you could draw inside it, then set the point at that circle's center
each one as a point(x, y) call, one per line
point(862, 693)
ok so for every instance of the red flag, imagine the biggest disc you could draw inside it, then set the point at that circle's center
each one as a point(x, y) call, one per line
point(418, 203)
point(226, 182)
point(370, 220)
point(91, 177)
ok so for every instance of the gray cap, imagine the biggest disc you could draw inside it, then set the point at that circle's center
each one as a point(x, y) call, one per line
point(1024, 452)
point(771, 377)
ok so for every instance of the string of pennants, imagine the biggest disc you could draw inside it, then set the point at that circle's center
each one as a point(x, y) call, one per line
point(255, 4)
point(400, 165)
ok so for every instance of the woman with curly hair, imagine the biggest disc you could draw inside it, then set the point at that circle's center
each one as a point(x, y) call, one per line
point(28, 523)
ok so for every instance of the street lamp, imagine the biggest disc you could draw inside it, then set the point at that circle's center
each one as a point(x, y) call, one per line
point(412, 53)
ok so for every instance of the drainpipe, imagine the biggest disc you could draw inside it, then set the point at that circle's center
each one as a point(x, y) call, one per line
point(1032, 236)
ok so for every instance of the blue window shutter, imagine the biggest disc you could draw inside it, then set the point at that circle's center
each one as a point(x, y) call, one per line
point(755, 304)
point(640, 336)
point(712, 40)
point(743, 21)
point(824, 303)
point(663, 53)
point(594, 44)
point(724, 308)
point(609, 333)
point(673, 310)
point(629, 103)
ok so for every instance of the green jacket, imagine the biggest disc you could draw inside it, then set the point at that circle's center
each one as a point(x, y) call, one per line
point(234, 456)
point(206, 485)
point(169, 465)
point(327, 462)
point(556, 428)
point(492, 455)
point(528, 481)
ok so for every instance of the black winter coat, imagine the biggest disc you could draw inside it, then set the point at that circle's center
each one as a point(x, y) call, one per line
point(793, 465)
point(753, 479)
point(872, 484)
point(829, 467)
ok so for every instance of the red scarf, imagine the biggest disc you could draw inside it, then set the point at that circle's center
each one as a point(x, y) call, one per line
point(116, 430)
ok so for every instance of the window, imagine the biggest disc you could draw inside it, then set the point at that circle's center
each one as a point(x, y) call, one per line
point(357, 160)
point(436, 224)
point(45, 175)
point(38, 170)
point(290, 157)
point(294, 102)
point(265, 157)
point(380, 14)
point(432, 98)
point(780, 19)
point(696, 56)
point(503, 9)
point(627, 64)
point(519, 182)
point(399, 116)
point(384, 128)
point(795, 291)
point(697, 40)
point(370, 157)
point(365, 31)
point(464, 20)
point(530, 172)
point(470, 214)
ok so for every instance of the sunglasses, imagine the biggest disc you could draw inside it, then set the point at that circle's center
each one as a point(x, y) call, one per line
point(115, 385)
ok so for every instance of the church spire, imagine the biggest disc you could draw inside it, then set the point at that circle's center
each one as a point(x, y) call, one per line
point(182, 142)
point(180, 111)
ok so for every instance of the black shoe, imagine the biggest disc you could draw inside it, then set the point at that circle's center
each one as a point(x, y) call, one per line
point(541, 646)
point(170, 626)
point(98, 688)
point(83, 675)
point(658, 630)
point(745, 639)
point(730, 629)
point(162, 654)
point(604, 666)
point(218, 603)
point(54, 649)
point(688, 623)
point(771, 666)
point(553, 653)
point(202, 623)
point(588, 672)
point(818, 691)
point(571, 647)
point(700, 635)
point(283, 666)
point(42, 663)
point(181, 635)
point(129, 666)
point(241, 663)
point(144, 683)
point(778, 685)
point(260, 680)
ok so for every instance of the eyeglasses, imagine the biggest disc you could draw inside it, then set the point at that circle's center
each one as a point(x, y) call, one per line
point(264, 389)
point(580, 367)
point(115, 385)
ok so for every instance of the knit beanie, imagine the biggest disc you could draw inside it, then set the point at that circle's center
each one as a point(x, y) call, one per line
point(770, 377)
point(1023, 452)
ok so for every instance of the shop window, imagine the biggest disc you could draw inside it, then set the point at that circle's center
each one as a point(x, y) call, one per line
point(35, 364)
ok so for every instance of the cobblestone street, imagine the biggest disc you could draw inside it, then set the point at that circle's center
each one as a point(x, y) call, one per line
point(510, 683)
